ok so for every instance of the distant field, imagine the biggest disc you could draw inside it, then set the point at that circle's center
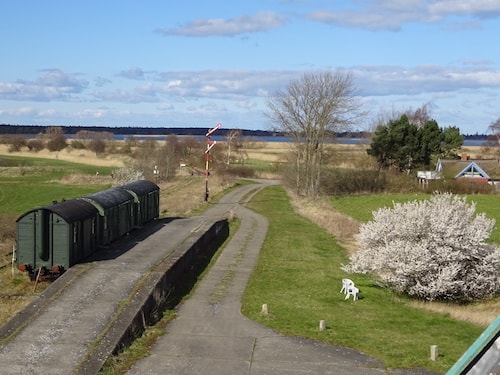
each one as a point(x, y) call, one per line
point(77, 156)
point(26, 183)
point(361, 207)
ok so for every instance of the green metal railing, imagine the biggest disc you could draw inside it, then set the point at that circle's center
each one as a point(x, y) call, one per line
point(483, 356)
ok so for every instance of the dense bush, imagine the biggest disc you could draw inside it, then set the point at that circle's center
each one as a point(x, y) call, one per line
point(460, 186)
point(35, 145)
point(78, 144)
point(432, 249)
point(97, 145)
point(16, 143)
point(125, 175)
point(57, 142)
point(352, 181)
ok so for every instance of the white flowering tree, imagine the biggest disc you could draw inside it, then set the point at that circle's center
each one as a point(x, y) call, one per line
point(431, 249)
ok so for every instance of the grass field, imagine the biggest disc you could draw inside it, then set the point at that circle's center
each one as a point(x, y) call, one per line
point(361, 207)
point(298, 275)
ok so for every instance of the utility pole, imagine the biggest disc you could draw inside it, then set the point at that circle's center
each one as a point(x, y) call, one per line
point(210, 144)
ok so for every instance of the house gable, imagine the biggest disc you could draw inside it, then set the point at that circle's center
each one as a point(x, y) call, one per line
point(472, 171)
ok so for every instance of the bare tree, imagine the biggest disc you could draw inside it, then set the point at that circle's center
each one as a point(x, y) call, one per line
point(168, 157)
point(494, 130)
point(420, 115)
point(492, 144)
point(311, 110)
point(233, 144)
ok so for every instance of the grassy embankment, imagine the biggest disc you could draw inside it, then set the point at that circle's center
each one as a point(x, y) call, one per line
point(299, 277)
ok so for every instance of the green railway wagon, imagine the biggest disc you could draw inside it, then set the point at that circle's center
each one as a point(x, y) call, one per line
point(146, 200)
point(51, 239)
point(116, 213)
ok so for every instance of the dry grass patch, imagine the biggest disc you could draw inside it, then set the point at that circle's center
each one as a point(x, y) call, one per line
point(320, 212)
point(183, 195)
point(480, 313)
point(268, 151)
point(71, 155)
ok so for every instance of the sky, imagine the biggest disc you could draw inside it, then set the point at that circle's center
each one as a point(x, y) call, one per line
point(196, 63)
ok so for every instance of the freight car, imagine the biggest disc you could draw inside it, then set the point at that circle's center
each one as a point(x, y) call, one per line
point(52, 238)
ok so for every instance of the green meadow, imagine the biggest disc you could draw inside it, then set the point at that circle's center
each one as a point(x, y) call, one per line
point(27, 183)
point(361, 207)
point(299, 277)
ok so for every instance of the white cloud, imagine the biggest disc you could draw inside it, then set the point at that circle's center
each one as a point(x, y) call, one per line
point(393, 14)
point(133, 73)
point(394, 80)
point(54, 84)
point(479, 8)
point(165, 106)
point(203, 27)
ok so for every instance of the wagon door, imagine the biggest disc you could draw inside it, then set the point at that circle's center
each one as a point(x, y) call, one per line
point(61, 239)
point(26, 239)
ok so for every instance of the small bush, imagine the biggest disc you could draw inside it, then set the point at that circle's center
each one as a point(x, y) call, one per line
point(402, 183)
point(16, 143)
point(35, 145)
point(78, 144)
point(97, 145)
point(352, 181)
point(57, 143)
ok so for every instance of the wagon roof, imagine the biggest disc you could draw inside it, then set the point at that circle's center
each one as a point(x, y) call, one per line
point(110, 198)
point(70, 210)
point(141, 187)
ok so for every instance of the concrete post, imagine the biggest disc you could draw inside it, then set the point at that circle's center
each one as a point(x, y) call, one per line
point(264, 309)
point(322, 325)
point(434, 352)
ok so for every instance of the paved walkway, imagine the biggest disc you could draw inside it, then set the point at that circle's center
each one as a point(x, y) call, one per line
point(211, 337)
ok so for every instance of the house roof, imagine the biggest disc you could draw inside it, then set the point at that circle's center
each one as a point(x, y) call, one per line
point(478, 168)
point(472, 171)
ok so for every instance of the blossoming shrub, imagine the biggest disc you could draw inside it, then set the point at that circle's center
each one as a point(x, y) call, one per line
point(431, 249)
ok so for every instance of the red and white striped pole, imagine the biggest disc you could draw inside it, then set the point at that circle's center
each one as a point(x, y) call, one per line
point(207, 155)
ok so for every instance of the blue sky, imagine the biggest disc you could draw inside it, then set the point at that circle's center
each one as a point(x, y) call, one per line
point(197, 63)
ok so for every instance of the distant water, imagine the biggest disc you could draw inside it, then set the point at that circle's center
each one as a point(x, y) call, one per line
point(345, 141)
point(218, 138)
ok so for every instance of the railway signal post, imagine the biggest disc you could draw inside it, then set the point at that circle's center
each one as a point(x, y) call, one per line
point(210, 144)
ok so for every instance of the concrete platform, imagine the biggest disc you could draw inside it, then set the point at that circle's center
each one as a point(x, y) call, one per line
point(57, 332)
